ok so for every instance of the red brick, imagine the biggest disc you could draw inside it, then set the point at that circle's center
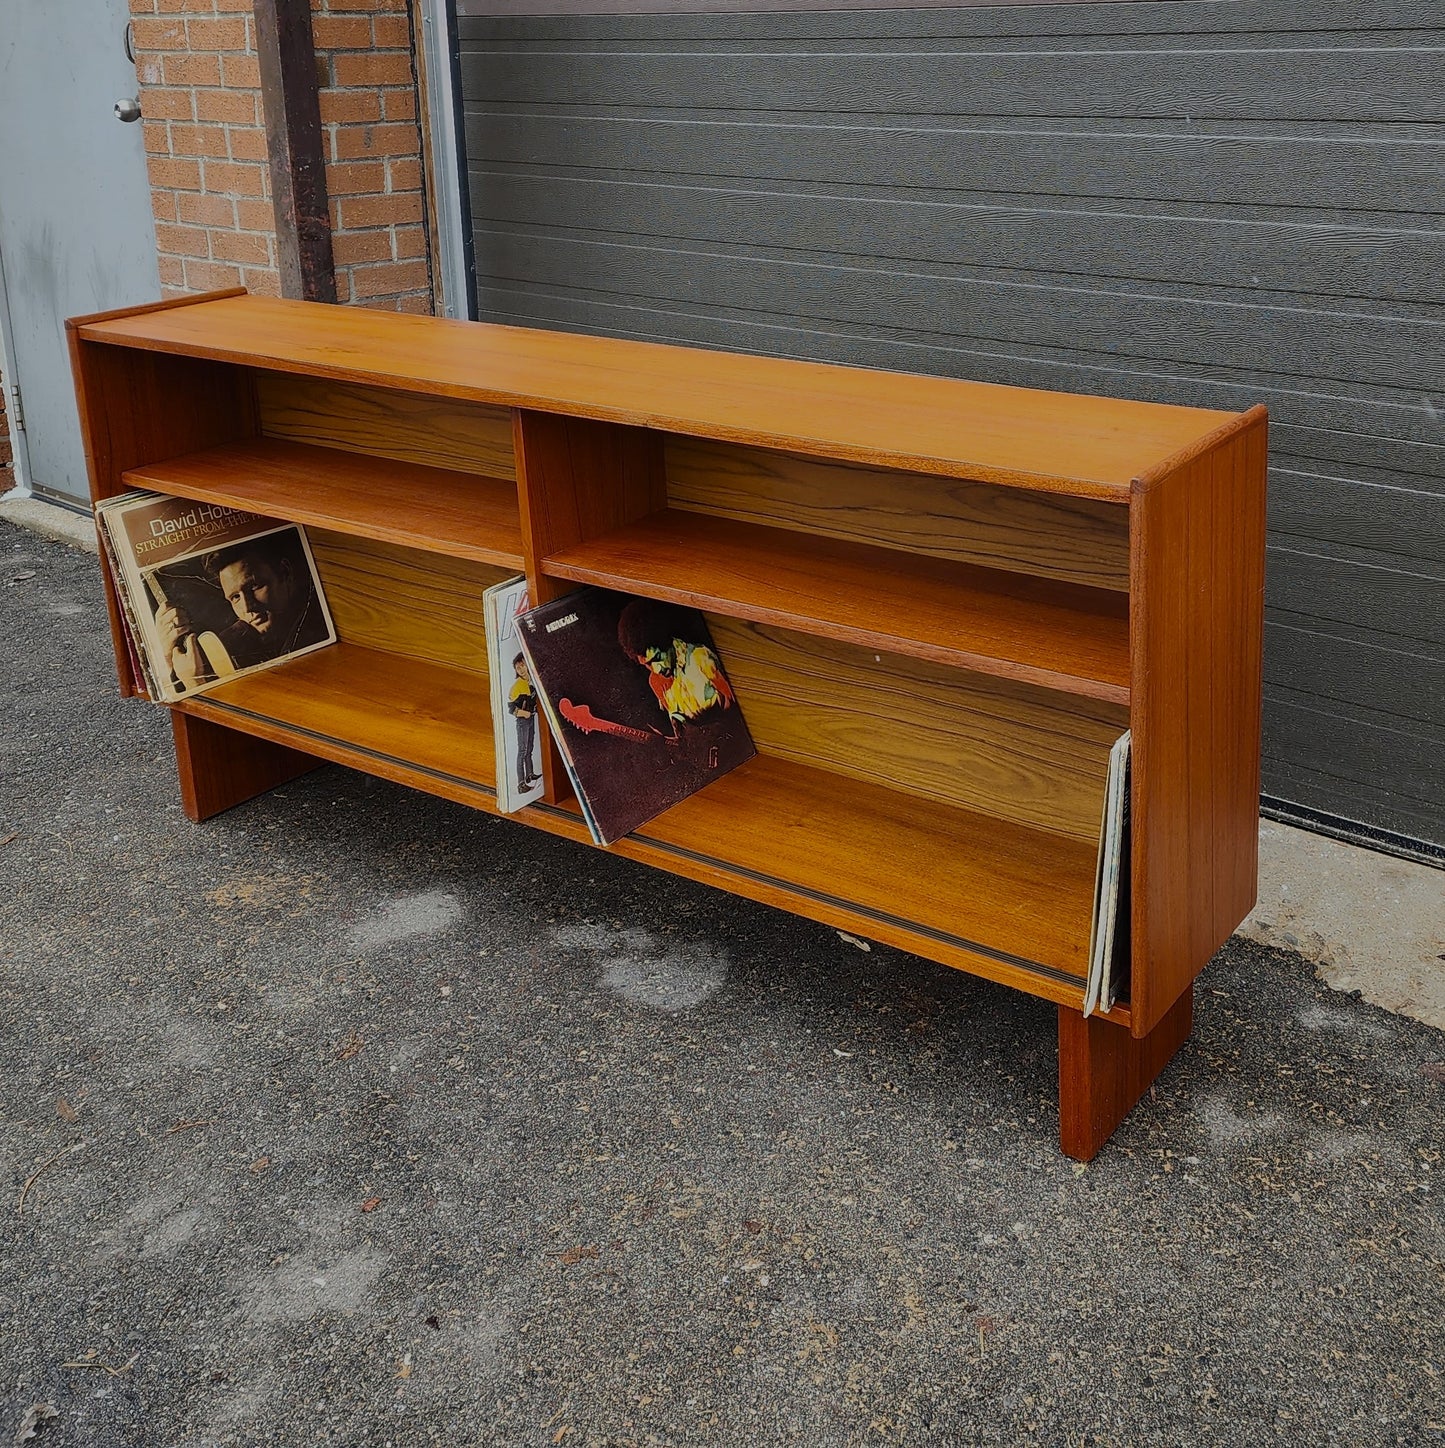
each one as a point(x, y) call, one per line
point(363, 211)
point(198, 140)
point(211, 276)
point(161, 104)
point(181, 175)
point(228, 34)
point(355, 178)
point(184, 7)
point(191, 69)
point(241, 72)
point(341, 32)
point(231, 178)
point(235, 108)
point(360, 141)
point(263, 281)
point(403, 175)
point(156, 138)
point(350, 247)
point(389, 7)
point(172, 271)
point(248, 248)
point(410, 241)
point(167, 34)
point(389, 278)
point(373, 70)
point(243, 6)
point(183, 240)
point(248, 144)
point(391, 32)
point(163, 205)
point(400, 105)
point(343, 286)
point(343, 106)
point(419, 303)
point(255, 216)
point(206, 210)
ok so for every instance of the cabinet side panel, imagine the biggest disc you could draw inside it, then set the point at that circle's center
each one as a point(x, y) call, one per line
point(1196, 621)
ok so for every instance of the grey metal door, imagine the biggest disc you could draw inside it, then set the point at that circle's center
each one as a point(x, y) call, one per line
point(76, 233)
point(1185, 201)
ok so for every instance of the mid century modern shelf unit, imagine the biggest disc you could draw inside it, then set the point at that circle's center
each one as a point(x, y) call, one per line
point(940, 602)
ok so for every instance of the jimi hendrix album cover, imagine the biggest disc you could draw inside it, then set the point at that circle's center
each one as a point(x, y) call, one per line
point(636, 696)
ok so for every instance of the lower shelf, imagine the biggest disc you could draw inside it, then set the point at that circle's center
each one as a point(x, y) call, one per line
point(997, 899)
point(945, 875)
point(361, 706)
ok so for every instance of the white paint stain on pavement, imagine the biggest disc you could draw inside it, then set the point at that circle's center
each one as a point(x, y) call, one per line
point(406, 918)
point(646, 971)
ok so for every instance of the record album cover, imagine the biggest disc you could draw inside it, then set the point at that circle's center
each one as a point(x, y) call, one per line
point(638, 699)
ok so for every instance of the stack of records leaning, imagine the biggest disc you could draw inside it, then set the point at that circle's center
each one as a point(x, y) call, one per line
point(208, 593)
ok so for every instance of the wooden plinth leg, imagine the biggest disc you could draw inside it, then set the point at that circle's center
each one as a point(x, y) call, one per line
point(1103, 1071)
point(221, 767)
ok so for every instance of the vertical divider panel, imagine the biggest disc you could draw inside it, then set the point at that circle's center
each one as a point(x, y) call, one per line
point(1196, 644)
point(578, 479)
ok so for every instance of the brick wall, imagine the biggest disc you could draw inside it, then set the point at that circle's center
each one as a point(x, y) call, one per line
point(374, 166)
point(205, 144)
point(206, 150)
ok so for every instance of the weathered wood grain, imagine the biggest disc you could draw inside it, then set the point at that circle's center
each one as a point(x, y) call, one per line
point(1075, 540)
point(403, 602)
point(1008, 751)
point(433, 431)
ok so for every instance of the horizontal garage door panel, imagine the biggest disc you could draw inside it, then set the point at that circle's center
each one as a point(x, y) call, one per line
point(1345, 172)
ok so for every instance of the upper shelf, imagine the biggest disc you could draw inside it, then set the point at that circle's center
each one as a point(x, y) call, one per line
point(1054, 442)
point(459, 514)
point(1058, 635)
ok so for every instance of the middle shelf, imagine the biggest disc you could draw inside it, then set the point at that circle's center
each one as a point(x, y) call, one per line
point(1059, 635)
point(437, 510)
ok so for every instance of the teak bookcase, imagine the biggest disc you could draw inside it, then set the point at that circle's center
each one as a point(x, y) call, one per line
point(940, 602)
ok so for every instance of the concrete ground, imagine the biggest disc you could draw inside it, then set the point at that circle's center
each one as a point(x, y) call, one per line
point(354, 1117)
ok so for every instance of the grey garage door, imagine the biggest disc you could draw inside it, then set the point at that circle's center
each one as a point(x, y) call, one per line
point(1219, 203)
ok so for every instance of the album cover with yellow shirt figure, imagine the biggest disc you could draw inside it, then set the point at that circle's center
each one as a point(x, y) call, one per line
point(637, 698)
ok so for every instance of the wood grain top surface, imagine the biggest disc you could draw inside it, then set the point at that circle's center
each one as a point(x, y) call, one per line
point(1049, 441)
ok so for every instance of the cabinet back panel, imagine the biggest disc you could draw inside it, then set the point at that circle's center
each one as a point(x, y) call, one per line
point(1076, 540)
point(467, 436)
point(403, 601)
point(1007, 750)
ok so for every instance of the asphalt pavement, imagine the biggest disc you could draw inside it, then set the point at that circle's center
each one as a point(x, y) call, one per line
point(355, 1117)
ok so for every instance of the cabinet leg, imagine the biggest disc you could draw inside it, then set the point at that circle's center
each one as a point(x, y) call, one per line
point(1103, 1071)
point(221, 767)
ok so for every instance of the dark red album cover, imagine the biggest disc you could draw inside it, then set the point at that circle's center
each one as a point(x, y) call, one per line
point(638, 700)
